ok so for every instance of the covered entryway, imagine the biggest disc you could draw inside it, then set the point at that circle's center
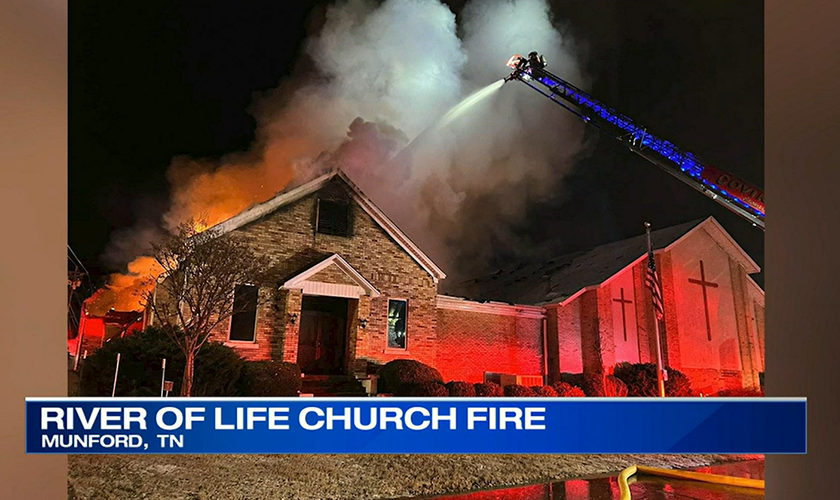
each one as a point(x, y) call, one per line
point(328, 317)
point(323, 334)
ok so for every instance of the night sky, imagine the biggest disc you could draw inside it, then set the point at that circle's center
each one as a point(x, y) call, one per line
point(149, 81)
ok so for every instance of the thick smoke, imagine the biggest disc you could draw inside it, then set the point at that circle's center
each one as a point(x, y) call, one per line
point(379, 77)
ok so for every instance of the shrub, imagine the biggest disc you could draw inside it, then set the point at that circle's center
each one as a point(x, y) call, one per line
point(573, 379)
point(610, 386)
point(460, 389)
point(614, 387)
point(73, 385)
point(396, 373)
point(221, 371)
point(678, 385)
point(745, 392)
point(566, 390)
point(517, 391)
point(488, 390)
point(428, 389)
point(545, 391)
point(218, 369)
point(592, 385)
point(271, 379)
point(640, 379)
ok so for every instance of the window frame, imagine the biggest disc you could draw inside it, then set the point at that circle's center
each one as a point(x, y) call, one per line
point(256, 317)
point(388, 346)
point(348, 232)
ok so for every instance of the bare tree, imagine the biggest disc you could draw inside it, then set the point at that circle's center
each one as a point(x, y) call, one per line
point(195, 292)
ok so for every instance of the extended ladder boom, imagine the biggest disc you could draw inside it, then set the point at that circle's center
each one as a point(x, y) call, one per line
point(738, 196)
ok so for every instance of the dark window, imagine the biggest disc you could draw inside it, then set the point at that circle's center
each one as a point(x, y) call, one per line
point(396, 324)
point(333, 218)
point(244, 321)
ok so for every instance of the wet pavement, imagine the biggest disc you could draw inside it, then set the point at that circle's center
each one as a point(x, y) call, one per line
point(645, 487)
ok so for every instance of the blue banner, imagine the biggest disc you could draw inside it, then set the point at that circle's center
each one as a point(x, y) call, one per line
point(415, 425)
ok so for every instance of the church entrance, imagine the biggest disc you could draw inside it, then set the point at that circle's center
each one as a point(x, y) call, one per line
point(323, 335)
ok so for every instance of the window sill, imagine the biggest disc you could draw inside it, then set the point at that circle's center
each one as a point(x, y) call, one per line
point(242, 344)
point(394, 350)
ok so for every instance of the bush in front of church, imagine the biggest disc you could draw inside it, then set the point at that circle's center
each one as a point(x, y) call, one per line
point(592, 385)
point(218, 369)
point(488, 390)
point(428, 389)
point(745, 392)
point(271, 379)
point(566, 390)
point(678, 385)
point(614, 387)
point(640, 379)
point(573, 379)
point(460, 389)
point(604, 387)
point(399, 372)
point(545, 391)
point(518, 391)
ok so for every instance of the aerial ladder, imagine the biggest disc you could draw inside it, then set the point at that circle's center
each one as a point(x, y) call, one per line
point(740, 197)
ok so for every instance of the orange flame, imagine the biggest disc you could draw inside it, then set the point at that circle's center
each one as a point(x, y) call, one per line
point(210, 197)
point(124, 292)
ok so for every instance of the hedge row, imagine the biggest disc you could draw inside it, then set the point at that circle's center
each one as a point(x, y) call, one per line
point(406, 377)
point(412, 378)
point(219, 371)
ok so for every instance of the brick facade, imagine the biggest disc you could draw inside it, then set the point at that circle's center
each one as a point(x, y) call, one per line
point(287, 235)
point(472, 343)
point(584, 331)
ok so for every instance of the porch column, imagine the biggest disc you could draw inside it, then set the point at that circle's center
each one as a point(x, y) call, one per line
point(290, 309)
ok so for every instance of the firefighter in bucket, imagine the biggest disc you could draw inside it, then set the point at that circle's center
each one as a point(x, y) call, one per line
point(525, 66)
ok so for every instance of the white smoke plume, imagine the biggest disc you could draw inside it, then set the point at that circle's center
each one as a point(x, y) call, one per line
point(379, 74)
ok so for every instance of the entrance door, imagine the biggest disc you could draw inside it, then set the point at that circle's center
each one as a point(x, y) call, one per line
point(323, 333)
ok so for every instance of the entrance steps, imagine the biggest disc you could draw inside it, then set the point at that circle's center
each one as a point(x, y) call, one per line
point(332, 385)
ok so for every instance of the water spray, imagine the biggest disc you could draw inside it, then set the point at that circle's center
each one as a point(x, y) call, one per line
point(454, 113)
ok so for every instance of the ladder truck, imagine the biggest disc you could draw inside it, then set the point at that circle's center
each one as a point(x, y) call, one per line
point(740, 197)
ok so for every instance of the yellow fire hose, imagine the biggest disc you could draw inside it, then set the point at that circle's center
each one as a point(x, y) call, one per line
point(626, 477)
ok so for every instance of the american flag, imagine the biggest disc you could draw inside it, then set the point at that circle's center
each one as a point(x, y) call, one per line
point(653, 283)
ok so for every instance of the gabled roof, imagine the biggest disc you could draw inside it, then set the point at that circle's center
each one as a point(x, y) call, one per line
point(300, 281)
point(287, 197)
point(563, 278)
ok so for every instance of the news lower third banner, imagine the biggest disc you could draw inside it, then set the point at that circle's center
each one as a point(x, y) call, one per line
point(415, 425)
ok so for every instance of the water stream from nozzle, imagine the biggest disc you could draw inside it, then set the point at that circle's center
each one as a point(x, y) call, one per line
point(456, 111)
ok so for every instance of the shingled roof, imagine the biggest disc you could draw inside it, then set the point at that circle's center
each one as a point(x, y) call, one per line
point(561, 278)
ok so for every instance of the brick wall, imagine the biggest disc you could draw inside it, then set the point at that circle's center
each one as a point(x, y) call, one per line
point(744, 326)
point(471, 343)
point(645, 327)
point(568, 332)
point(288, 237)
point(670, 342)
point(759, 325)
point(590, 335)
point(606, 327)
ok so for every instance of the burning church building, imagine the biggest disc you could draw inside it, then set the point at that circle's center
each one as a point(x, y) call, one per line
point(350, 289)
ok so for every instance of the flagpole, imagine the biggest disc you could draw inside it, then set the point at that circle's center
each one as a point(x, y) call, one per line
point(660, 380)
